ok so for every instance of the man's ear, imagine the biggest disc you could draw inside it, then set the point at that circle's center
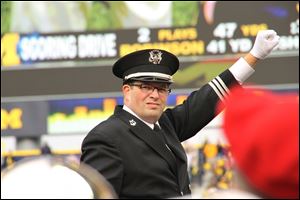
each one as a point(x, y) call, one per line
point(125, 89)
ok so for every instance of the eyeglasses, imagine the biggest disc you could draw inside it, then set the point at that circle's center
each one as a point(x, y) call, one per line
point(150, 88)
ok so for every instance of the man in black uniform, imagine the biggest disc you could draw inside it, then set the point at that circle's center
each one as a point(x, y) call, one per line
point(138, 149)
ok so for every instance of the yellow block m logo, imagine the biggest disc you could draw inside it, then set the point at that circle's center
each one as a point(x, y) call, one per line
point(12, 119)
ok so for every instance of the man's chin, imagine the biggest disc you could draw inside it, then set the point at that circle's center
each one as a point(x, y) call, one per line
point(153, 115)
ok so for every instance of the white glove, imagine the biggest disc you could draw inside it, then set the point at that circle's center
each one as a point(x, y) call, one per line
point(265, 42)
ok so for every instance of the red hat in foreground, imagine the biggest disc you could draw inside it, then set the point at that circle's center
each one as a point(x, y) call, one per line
point(263, 130)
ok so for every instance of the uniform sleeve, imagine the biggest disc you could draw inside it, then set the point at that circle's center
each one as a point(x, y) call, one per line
point(200, 107)
point(102, 154)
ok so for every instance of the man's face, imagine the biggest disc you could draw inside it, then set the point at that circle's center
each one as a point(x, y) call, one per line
point(146, 99)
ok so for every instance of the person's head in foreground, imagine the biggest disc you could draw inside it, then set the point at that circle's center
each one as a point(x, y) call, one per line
point(262, 129)
point(53, 177)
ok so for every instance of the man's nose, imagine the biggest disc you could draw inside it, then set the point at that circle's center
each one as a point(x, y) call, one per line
point(155, 92)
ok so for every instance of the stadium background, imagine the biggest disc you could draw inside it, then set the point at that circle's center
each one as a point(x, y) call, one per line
point(56, 58)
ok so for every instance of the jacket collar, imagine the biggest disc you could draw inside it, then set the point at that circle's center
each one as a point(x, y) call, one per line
point(145, 133)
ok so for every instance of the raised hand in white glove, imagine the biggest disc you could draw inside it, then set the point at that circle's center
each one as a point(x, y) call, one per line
point(265, 42)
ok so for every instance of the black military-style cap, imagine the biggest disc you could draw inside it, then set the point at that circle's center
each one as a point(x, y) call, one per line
point(153, 65)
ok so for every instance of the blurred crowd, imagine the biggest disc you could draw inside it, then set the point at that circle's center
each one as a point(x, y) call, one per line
point(210, 166)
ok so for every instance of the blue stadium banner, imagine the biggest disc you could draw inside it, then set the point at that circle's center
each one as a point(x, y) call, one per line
point(218, 30)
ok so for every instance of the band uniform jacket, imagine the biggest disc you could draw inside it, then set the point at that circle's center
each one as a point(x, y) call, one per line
point(136, 162)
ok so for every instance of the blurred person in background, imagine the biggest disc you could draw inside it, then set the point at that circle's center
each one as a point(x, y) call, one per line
point(138, 149)
point(45, 149)
point(262, 129)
